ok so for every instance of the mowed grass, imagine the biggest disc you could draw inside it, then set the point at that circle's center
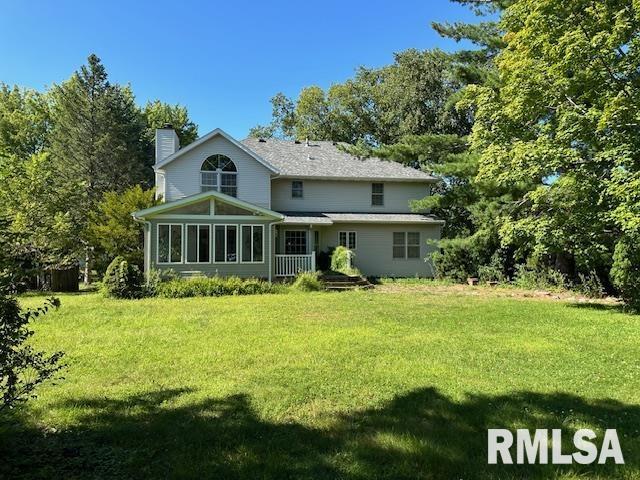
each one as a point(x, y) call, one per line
point(351, 385)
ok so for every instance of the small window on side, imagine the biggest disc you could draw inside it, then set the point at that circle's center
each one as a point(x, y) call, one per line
point(377, 194)
point(296, 189)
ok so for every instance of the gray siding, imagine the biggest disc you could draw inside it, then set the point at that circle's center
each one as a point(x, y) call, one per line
point(345, 196)
point(374, 252)
point(260, 270)
point(182, 177)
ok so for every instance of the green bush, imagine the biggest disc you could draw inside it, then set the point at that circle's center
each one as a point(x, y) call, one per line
point(123, 280)
point(547, 279)
point(341, 261)
point(308, 282)
point(214, 287)
point(625, 272)
point(590, 285)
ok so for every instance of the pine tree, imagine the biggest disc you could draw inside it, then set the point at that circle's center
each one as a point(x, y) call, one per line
point(96, 142)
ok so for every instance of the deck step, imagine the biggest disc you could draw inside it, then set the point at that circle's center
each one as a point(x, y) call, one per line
point(345, 282)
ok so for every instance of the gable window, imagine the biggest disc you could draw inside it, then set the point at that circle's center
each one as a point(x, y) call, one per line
point(406, 245)
point(296, 189)
point(218, 172)
point(169, 243)
point(252, 244)
point(226, 244)
point(377, 194)
point(198, 242)
point(347, 239)
point(295, 242)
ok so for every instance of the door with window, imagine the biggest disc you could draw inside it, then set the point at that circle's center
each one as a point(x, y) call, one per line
point(295, 242)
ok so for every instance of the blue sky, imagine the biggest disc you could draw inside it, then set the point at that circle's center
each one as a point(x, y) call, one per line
point(223, 60)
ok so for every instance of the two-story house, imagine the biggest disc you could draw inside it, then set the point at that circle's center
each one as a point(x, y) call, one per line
point(265, 208)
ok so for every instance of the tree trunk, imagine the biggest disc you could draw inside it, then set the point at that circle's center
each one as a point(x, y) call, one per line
point(88, 265)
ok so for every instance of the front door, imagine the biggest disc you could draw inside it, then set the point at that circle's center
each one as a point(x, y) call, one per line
point(295, 242)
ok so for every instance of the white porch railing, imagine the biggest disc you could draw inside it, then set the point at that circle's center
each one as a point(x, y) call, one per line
point(291, 265)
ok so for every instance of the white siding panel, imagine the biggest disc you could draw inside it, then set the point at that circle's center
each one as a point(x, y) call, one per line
point(345, 196)
point(374, 248)
point(182, 176)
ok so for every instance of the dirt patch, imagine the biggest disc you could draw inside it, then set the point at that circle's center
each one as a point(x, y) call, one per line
point(487, 291)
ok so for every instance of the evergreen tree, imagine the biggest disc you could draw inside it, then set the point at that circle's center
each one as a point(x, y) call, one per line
point(96, 145)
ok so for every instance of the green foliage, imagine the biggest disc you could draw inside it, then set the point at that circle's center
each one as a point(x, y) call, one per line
point(214, 287)
point(25, 121)
point(546, 279)
point(377, 106)
point(308, 282)
point(590, 285)
point(123, 280)
point(112, 227)
point(342, 261)
point(22, 367)
point(61, 151)
point(562, 123)
point(625, 272)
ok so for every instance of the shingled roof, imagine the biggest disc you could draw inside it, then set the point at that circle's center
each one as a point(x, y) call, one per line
point(325, 160)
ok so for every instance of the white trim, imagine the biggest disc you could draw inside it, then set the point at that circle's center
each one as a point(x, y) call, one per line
point(225, 225)
point(186, 243)
point(208, 136)
point(158, 262)
point(361, 179)
point(252, 225)
point(158, 209)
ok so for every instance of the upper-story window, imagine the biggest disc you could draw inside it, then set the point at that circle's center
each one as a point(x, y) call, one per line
point(296, 189)
point(377, 194)
point(218, 172)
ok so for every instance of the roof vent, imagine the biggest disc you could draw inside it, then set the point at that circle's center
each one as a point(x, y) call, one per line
point(262, 140)
point(297, 142)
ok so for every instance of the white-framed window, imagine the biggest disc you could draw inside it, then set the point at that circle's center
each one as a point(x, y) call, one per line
point(297, 189)
point(169, 243)
point(406, 245)
point(225, 244)
point(377, 194)
point(218, 172)
point(198, 243)
point(295, 242)
point(252, 244)
point(347, 239)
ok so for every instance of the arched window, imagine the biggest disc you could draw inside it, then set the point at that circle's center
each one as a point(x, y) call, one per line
point(218, 172)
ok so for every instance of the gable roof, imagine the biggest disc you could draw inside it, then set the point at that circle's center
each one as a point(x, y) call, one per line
point(324, 160)
point(163, 207)
point(209, 136)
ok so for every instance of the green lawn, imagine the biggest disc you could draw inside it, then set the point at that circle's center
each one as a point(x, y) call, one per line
point(352, 385)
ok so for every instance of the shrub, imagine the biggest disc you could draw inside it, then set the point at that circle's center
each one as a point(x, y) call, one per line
point(341, 259)
point(214, 287)
point(123, 280)
point(308, 282)
point(22, 367)
point(539, 279)
point(625, 272)
point(590, 285)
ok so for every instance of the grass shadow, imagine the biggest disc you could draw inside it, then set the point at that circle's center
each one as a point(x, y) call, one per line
point(422, 434)
point(603, 307)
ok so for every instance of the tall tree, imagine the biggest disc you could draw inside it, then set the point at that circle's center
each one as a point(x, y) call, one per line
point(158, 114)
point(95, 142)
point(563, 121)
